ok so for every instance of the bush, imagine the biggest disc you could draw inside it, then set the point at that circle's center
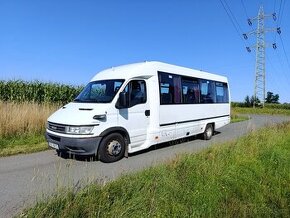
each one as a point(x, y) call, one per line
point(238, 104)
point(284, 106)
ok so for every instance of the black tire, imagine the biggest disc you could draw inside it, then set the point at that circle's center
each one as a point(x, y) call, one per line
point(111, 148)
point(208, 132)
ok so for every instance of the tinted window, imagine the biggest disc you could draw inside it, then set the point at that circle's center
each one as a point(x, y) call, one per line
point(190, 91)
point(170, 88)
point(221, 92)
point(207, 91)
point(175, 89)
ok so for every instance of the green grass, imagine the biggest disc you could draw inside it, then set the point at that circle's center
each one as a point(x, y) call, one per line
point(271, 111)
point(239, 119)
point(249, 177)
point(22, 144)
point(235, 118)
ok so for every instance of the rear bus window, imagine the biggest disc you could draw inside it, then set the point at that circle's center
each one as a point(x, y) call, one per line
point(221, 92)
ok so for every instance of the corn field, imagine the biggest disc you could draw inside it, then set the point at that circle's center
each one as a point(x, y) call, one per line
point(37, 92)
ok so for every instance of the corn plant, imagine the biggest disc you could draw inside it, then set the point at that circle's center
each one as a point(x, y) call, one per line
point(38, 92)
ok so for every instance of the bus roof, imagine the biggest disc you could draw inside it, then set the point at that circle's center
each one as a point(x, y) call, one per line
point(150, 68)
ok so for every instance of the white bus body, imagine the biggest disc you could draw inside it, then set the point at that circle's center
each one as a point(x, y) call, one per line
point(131, 107)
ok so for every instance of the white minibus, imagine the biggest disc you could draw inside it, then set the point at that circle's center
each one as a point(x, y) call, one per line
point(129, 108)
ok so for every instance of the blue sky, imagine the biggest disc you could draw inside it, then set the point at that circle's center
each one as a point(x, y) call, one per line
point(70, 41)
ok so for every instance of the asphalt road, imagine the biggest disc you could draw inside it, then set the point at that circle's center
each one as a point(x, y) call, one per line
point(25, 179)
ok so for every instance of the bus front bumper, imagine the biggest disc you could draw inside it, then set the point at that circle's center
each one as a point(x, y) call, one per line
point(76, 146)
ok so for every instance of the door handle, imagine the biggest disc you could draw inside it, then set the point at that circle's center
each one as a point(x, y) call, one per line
point(147, 113)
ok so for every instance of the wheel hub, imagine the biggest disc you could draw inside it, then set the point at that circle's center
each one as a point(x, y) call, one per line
point(209, 132)
point(114, 148)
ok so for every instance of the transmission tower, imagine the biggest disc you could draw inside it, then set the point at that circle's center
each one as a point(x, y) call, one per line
point(260, 47)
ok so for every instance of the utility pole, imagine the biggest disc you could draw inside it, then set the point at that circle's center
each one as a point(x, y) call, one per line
point(260, 47)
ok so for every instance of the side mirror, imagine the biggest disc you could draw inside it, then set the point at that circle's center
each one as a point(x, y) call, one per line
point(122, 102)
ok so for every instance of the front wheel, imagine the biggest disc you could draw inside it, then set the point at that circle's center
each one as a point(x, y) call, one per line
point(112, 148)
point(208, 132)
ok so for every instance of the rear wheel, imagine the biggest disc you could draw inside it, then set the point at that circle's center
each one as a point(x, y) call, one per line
point(112, 148)
point(208, 132)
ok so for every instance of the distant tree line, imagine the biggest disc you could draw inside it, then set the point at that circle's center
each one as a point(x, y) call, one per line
point(271, 101)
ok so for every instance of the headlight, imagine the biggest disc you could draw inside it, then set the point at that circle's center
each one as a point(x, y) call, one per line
point(80, 130)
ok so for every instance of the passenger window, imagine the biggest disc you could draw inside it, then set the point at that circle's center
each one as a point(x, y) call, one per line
point(221, 92)
point(176, 89)
point(136, 92)
point(190, 91)
point(170, 88)
point(207, 91)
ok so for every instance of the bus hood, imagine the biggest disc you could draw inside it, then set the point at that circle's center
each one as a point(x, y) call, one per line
point(78, 114)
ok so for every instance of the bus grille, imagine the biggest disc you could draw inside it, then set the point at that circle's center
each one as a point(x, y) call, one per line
point(56, 127)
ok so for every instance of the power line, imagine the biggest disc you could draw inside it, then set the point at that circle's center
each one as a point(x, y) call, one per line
point(275, 69)
point(247, 16)
point(282, 65)
point(281, 10)
point(270, 75)
point(282, 43)
point(279, 21)
point(283, 83)
point(280, 15)
point(233, 20)
point(244, 9)
point(274, 6)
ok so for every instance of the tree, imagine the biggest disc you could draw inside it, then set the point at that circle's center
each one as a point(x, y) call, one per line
point(247, 101)
point(271, 98)
point(255, 101)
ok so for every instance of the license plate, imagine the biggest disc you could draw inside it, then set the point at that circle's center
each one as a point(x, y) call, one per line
point(53, 145)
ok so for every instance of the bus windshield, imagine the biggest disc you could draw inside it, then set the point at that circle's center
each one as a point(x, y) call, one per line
point(102, 91)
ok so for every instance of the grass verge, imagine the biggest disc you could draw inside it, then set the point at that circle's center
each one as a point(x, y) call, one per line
point(238, 117)
point(22, 144)
point(249, 177)
point(270, 111)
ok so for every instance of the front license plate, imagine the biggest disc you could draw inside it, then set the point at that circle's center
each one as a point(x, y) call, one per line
point(53, 145)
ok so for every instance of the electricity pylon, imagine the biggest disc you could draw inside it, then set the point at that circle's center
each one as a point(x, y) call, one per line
point(260, 47)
